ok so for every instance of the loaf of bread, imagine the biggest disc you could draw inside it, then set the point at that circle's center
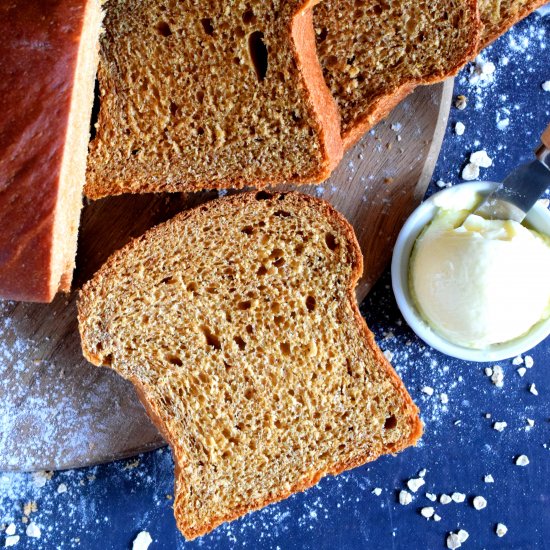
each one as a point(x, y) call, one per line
point(238, 325)
point(48, 61)
point(199, 95)
point(498, 16)
point(375, 53)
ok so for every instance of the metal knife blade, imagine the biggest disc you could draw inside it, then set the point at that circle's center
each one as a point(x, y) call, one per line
point(517, 194)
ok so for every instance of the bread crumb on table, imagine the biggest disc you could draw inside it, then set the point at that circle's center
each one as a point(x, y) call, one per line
point(404, 498)
point(533, 389)
point(489, 479)
point(470, 172)
point(11, 541)
point(546, 86)
point(458, 497)
point(142, 541)
point(522, 460)
point(459, 128)
point(481, 159)
point(427, 512)
point(415, 484)
point(33, 530)
point(501, 529)
point(445, 499)
point(499, 426)
point(479, 503)
point(461, 102)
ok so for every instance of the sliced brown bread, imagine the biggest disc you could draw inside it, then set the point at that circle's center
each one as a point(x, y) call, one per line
point(201, 95)
point(238, 325)
point(374, 53)
point(498, 16)
point(48, 62)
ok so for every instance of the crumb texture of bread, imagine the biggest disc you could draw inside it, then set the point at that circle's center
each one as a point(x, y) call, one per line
point(48, 62)
point(218, 94)
point(374, 53)
point(498, 16)
point(238, 325)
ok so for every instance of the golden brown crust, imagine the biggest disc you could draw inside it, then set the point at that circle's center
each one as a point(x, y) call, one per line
point(39, 57)
point(490, 34)
point(323, 104)
point(86, 306)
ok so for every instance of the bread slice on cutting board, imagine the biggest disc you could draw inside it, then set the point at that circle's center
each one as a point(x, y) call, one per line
point(238, 325)
point(199, 95)
point(498, 16)
point(48, 62)
point(375, 53)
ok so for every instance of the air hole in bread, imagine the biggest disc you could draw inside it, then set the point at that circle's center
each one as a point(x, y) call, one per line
point(285, 348)
point(243, 306)
point(240, 342)
point(135, 152)
point(173, 108)
point(262, 270)
point(249, 393)
point(281, 214)
point(227, 367)
point(211, 339)
point(163, 28)
point(258, 54)
point(168, 280)
point(330, 240)
point(107, 360)
point(322, 36)
point(249, 17)
point(247, 230)
point(263, 196)
point(299, 249)
point(95, 110)
point(310, 303)
point(174, 360)
point(200, 131)
point(207, 26)
point(390, 423)
point(279, 262)
point(249, 329)
point(192, 287)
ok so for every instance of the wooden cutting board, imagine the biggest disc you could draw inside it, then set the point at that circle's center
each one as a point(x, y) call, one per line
point(57, 411)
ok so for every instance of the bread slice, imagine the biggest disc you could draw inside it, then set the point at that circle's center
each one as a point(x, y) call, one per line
point(48, 61)
point(375, 53)
point(199, 95)
point(238, 325)
point(498, 16)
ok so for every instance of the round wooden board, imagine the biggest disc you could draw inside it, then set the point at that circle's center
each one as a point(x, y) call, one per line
point(57, 411)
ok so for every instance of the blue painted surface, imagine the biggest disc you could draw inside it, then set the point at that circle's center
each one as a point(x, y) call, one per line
point(105, 507)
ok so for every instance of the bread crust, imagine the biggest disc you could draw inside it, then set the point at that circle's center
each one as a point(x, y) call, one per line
point(39, 53)
point(527, 9)
point(322, 102)
point(86, 306)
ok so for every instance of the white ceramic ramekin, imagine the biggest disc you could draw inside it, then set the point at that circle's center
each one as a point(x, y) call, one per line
point(538, 219)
